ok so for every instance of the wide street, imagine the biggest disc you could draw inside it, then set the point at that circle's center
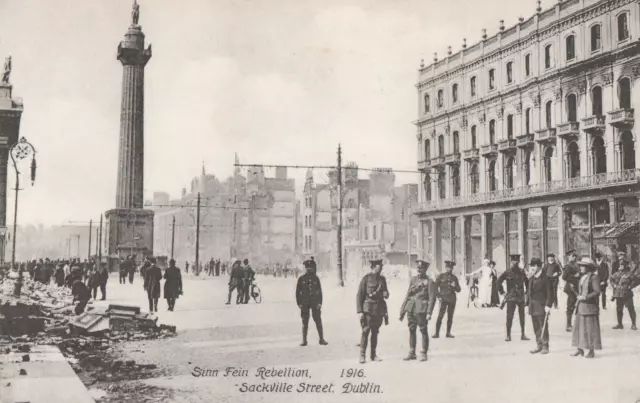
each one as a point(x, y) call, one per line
point(478, 365)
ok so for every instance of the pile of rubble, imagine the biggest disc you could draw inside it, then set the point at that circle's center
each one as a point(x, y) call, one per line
point(44, 314)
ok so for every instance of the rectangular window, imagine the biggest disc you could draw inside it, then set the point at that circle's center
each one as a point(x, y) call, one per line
point(473, 86)
point(571, 47)
point(509, 72)
point(623, 27)
point(595, 38)
point(527, 65)
point(547, 57)
point(492, 78)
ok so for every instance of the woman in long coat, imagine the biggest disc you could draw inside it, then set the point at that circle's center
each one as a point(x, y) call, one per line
point(484, 285)
point(172, 284)
point(152, 277)
point(586, 328)
point(495, 296)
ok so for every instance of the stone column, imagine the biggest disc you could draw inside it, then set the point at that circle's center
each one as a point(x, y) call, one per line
point(561, 233)
point(452, 236)
point(436, 239)
point(486, 243)
point(464, 235)
point(507, 246)
point(613, 211)
point(608, 97)
point(545, 238)
point(523, 215)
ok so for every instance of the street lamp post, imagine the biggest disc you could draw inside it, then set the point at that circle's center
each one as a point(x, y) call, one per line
point(21, 150)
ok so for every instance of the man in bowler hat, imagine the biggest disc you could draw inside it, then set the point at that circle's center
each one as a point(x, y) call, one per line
point(540, 297)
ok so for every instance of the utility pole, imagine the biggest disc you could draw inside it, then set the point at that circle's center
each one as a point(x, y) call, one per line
point(409, 235)
point(339, 169)
point(97, 241)
point(78, 236)
point(100, 242)
point(198, 236)
point(89, 253)
point(173, 234)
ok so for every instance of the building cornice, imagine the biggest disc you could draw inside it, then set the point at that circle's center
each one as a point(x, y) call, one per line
point(538, 35)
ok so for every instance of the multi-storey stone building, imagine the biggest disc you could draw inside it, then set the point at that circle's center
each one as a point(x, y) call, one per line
point(527, 139)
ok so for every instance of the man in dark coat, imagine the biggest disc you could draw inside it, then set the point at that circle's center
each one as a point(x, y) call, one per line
point(372, 308)
point(540, 297)
point(235, 282)
point(59, 275)
point(309, 298)
point(93, 282)
point(122, 270)
point(172, 284)
point(247, 281)
point(131, 268)
point(418, 306)
point(446, 285)
point(553, 270)
point(103, 278)
point(81, 294)
point(603, 275)
point(623, 282)
point(620, 257)
point(218, 268)
point(515, 297)
point(152, 277)
point(571, 276)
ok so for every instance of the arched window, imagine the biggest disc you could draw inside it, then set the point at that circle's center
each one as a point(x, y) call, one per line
point(454, 93)
point(440, 98)
point(509, 173)
point(527, 120)
point(492, 132)
point(596, 42)
point(547, 113)
point(509, 127)
point(427, 103)
point(526, 167)
point(427, 186)
point(623, 26)
point(570, 43)
point(624, 93)
point(492, 79)
point(456, 143)
point(627, 150)
point(509, 72)
point(472, 86)
point(572, 107)
point(527, 65)
point(547, 57)
point(442, 184)
point(474, 137)
point(441, 146)
point(596, 101)
point(599, 155)
point(491, 176)
point(455, 181)
point(427, 149)
point(573, 160)
point(475, 179)
point(546, 164)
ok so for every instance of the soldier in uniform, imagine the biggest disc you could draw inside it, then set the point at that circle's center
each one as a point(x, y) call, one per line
point(446, 285)
point(249, 275)
point(540, 298)
point(235, 282)
point(623, 282)
point(553, 270)
point(372, 308)
point(571, 276)
point(309, 298)
point(418, 306)
point(516, 283)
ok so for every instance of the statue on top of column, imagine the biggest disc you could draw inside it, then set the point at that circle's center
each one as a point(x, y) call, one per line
point(135, 12)
point(7, 70)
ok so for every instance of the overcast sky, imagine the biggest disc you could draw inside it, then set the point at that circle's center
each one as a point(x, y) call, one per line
point(278, 81)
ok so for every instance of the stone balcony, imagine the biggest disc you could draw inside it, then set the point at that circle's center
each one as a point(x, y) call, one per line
point(507, 146)
point(424, 165)
point(547, 135)
point(622, 118)
point(471, 155)
point(437, 161)
point(594, 124)
point(525, 141)
point(569, 130)
point(489, 150)
point(452, 159)
point(578, 184)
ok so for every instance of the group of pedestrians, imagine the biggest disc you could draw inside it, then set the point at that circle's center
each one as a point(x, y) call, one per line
point(153, 275)
point(241, 280)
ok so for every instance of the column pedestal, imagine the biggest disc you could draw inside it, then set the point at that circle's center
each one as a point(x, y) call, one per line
point(128, 232)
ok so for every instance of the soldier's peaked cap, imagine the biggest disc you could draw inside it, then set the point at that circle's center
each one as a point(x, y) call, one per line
point(515, 258)
point(375, 263)
point(535, 262)
point(307, 263)
point(621, 253)
point(449, 263)
point(423, 264)
point(571, 252)
point(551, 255)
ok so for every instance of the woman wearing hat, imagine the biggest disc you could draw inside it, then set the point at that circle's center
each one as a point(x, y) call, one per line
point(495, 296)
point(586, 328)
point(485, 284)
